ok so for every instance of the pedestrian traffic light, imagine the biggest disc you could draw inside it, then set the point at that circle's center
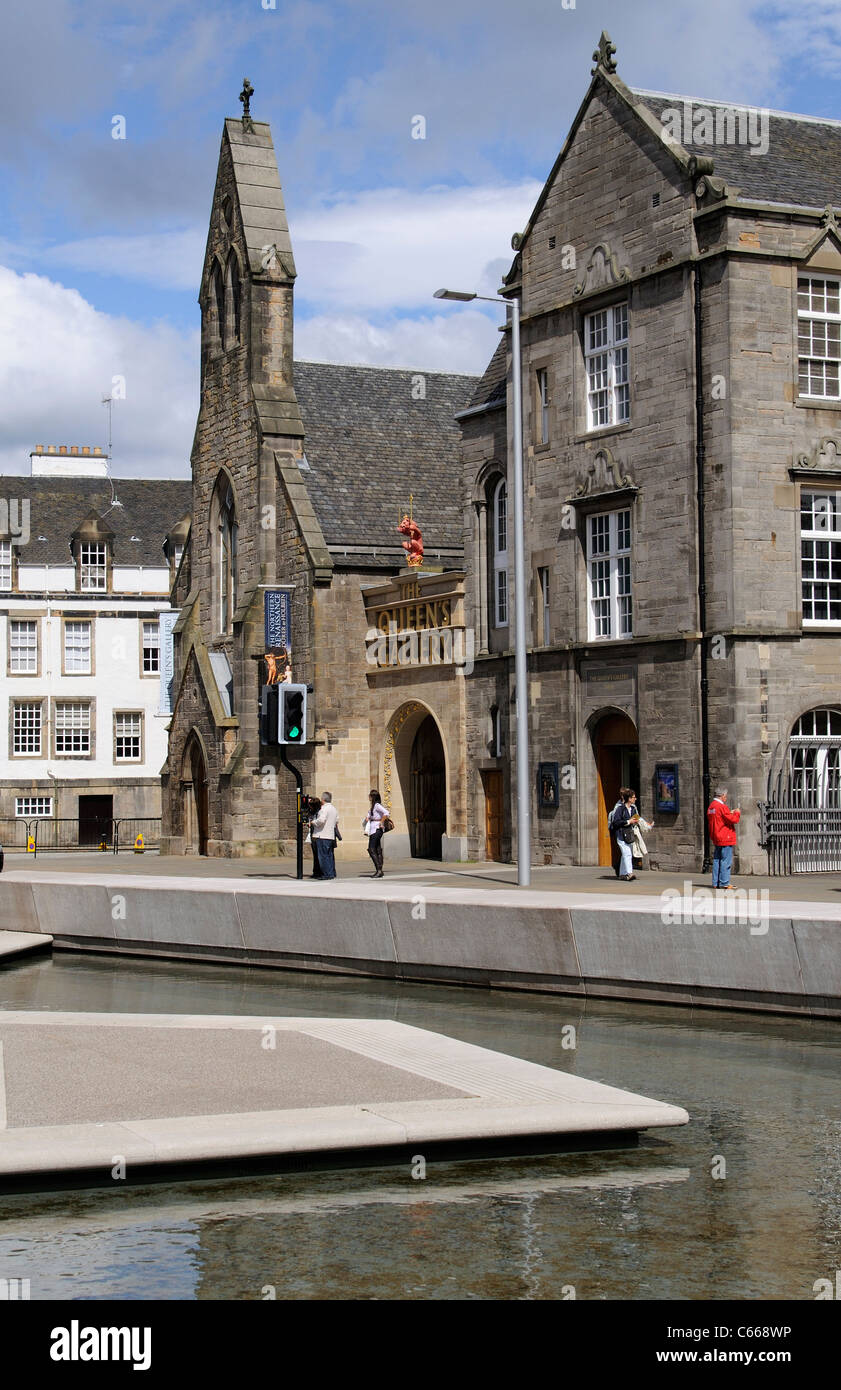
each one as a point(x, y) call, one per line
point(269, 714)
point(293, 714)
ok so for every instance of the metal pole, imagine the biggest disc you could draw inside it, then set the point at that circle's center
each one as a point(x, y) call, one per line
point(520, 671)
point(299, 824)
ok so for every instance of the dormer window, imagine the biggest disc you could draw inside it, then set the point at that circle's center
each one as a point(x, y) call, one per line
point(93, 566)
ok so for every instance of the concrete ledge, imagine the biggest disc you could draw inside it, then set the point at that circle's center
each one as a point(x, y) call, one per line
point(404, 1086)
point(20, 943)
point(586, 944)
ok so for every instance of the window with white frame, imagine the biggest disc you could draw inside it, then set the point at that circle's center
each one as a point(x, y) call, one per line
point(77, 647)
point(815, 756)
point(609, 575)
point(151, 648)
point(33, 806)
point(819, 336)
point(543, 633)
point(5, 564)
point(820, 556)
point(607, 366)
point(93, 565)
point(543, 405)
point(73, 728)
point(23, 646)
point(500, 555)
point(128, 735)
point(26, 728)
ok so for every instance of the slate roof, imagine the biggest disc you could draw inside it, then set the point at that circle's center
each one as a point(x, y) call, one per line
point(151, 508)
point(802, 165)
point(369, 444)
point(493, 385)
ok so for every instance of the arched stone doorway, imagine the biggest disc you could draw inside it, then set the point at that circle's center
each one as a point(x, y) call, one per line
point(194, 797)
point(414, 782)
point(428, 792)
point(617, 754)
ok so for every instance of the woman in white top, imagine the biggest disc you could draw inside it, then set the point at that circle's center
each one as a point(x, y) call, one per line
point(373, 828)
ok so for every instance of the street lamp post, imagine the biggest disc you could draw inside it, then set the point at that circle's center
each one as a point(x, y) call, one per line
point(520, 673)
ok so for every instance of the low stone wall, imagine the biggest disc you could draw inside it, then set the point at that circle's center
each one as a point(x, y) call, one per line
point(793, 965)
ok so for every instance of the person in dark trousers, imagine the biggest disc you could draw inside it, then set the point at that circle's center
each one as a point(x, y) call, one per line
point(324, 831)
point(623, 818)
point(311, 808)
point(722, 821)
point(373, 828)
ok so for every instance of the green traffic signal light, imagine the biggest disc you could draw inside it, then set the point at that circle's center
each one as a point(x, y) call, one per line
point(294, 718)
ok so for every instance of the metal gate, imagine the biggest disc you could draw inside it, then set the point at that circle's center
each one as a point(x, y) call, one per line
point(800, 819)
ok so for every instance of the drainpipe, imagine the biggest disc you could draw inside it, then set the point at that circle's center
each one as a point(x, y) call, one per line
point(700, 452)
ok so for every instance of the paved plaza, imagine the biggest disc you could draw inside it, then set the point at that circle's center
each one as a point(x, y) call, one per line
point(551, 879)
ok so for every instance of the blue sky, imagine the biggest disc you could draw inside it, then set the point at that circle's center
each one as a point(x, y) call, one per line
point(101, 240)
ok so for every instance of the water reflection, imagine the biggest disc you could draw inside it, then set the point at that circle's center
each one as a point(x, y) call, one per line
point(654, 1222)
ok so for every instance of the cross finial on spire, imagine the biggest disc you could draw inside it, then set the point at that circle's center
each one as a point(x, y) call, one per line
point(605, 55)
point(245, 97)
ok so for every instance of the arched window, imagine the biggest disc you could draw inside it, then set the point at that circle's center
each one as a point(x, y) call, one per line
point(499, 540)
point(815, 758)
point(223, 529)
point(232, 302)
point(217, 307)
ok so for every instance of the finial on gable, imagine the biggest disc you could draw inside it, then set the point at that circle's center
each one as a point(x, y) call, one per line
point(829, 219)
point(245, 97)
point(605, 55)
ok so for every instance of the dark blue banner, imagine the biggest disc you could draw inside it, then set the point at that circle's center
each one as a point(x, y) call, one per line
point(278, 618)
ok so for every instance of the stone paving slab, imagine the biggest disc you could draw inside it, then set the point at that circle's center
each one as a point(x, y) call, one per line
point(81, 1091)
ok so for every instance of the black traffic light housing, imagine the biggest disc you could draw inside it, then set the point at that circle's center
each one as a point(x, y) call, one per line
point(292, 714)
point(269, 704)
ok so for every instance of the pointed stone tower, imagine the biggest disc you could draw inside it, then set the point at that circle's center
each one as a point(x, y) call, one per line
point(218, 798)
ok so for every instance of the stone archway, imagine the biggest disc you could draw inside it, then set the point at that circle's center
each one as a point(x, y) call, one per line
point(194, 796)
point(616, 751)
point(414, 782)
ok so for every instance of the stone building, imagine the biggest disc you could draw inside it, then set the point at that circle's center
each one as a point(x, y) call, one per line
point(86, 567)
point(301, 472)
point(680, 283)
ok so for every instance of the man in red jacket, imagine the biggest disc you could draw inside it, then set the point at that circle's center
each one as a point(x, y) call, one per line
point(721, 821)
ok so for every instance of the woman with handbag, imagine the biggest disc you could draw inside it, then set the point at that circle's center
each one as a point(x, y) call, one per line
point(375, 825)
point(623, 820)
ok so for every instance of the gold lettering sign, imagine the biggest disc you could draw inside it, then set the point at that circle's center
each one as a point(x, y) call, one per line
point(414, 617)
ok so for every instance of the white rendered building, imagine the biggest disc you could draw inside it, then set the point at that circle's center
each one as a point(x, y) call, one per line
point(86, 568)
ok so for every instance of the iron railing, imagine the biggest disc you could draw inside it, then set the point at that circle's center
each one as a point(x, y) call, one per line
point(104, 833)
point(800, 839)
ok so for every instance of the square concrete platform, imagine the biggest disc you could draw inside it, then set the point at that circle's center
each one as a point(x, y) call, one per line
point(92, 1091)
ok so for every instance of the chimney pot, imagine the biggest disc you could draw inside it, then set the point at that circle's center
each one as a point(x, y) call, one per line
point(62, 448)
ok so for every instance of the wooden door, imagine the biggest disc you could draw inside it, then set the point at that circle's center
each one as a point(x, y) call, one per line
point(492, 782)
point(428, 792)
point(617, 756)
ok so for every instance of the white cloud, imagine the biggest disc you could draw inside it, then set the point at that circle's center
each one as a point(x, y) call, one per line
point(58, 357)
point(391, 249)
point(459, 339)
point(167, 260)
